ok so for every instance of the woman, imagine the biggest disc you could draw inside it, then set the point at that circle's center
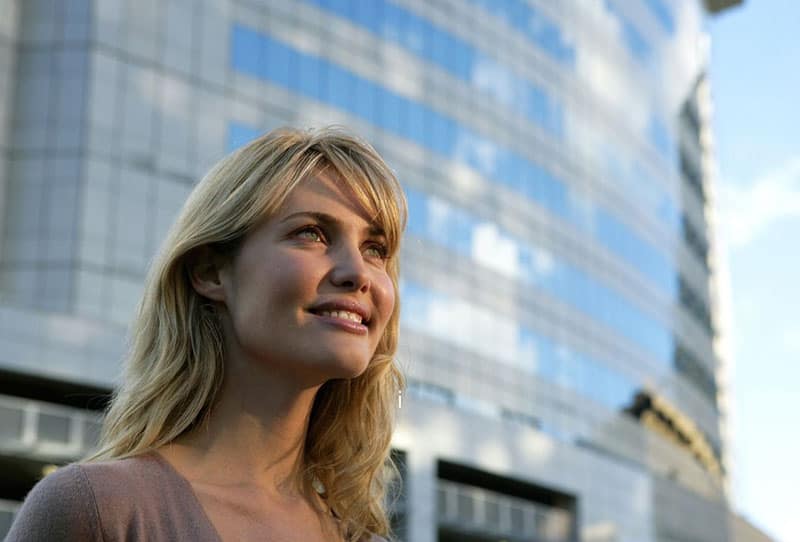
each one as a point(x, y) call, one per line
point(260, 389)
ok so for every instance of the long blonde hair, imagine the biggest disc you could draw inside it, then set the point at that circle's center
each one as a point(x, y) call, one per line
point(175, 365)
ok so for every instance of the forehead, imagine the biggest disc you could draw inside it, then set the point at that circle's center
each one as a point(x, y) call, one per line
point(327, 192)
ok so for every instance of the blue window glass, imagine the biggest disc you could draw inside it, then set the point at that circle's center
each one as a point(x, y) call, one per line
point(661, 139)
point(277, 62)
point(663, 14)
point(341, 88)
point(239, 135)
point(440, 48)
point(366, 99)
point(308, 70)
point(368, 14)
point(438, 221)
point(415, 125)
point(443, 135)
point(641, 188)
point(634, 41)
point(395, 113)
point(421, 37)
point(537, 27)
point(412, 35)
point(391, 111)
point(245, 51)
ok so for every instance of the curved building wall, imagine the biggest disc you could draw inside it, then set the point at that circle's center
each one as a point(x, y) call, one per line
point(557, 330)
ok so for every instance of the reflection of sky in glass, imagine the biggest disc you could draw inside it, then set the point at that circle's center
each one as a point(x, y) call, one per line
point(460, 58)
point(501, 338)
point(642, 97)
point(632, 38)
point(240, 135)
point(263, 57)
point(663, 14)
point(436, 220)
point(537, 27)
point(640, 186)
point(661, 139)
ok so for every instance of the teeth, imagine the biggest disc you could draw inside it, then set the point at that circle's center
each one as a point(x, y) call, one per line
point(345, 315)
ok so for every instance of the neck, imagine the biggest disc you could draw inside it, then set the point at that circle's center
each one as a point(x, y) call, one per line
point(254, 435)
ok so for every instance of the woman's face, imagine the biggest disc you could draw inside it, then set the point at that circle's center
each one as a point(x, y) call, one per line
point(309, 292)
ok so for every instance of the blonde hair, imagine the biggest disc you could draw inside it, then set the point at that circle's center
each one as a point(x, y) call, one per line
point(175, 365)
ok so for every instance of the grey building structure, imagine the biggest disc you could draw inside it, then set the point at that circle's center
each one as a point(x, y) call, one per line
point(744, 531)
point(558, 286)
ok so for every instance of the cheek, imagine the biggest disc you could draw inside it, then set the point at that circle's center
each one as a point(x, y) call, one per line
point(290, 276)
point(385, 296)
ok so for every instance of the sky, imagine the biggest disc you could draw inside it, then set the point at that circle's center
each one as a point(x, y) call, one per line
point(755, 77)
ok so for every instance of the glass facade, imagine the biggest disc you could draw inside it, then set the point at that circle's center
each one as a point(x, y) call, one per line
point(557, 325)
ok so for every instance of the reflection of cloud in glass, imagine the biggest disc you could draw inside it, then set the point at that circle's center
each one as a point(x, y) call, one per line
point(606, 70)
point(465, 180)
point(438, 215)
point(518, 94)
point(465, 324)
point(476, 152)
point(474, 327)
point(497, 81)
point(494, 250)
point(543, 264)
point(405, 77)
point(501, 338)
point(486, 243)
point(639, 91)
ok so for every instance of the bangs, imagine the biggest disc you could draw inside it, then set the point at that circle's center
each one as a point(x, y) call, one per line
point(285, 157)
point(374, 186)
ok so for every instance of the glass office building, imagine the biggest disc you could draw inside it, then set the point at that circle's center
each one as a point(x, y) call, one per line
point(558, 327)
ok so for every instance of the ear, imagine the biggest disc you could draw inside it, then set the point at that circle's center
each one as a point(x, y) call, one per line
point(205, 272)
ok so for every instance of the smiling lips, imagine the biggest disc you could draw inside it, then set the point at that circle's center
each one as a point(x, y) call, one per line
point(346, 315)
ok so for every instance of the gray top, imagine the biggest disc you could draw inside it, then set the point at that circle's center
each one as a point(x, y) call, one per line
point(141, 498)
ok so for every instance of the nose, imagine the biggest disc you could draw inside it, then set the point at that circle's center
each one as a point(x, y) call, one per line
point(350, 271)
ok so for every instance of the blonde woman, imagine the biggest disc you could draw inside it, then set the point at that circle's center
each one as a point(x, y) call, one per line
point(259, 393)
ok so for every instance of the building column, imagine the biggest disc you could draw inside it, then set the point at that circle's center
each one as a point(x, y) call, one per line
point(421, 495)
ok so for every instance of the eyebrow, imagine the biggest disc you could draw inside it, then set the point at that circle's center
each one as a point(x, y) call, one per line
point(373, 229)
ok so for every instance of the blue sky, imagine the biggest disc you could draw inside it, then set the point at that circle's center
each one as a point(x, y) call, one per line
point(755, 75)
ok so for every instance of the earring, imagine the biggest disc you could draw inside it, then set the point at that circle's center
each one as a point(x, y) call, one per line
point(318, 486)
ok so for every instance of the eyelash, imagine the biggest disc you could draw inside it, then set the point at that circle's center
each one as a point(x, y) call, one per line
point(382, 249)
point(312, 229)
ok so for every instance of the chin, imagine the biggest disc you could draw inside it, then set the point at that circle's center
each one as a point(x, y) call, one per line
point(347, 367)
point(351, 370)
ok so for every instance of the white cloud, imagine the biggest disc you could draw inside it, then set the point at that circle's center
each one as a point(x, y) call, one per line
point(745, 212)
